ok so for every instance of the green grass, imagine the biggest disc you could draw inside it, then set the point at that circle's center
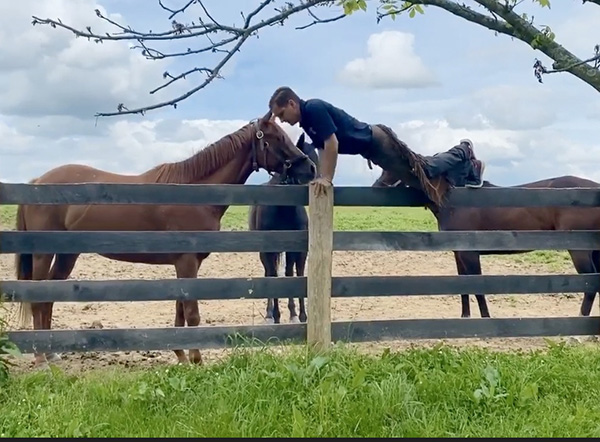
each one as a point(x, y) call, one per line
point(363, 219)
point(7, 216)
point(439, 392)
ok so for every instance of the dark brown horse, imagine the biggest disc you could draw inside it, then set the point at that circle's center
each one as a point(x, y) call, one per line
point(283, 218)
point(230, 160)
point(518, 218)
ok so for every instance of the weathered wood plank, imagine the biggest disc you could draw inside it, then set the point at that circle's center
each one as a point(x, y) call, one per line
point(349, 331)
point(320, 263)
point(264, 287)
point(267, 241)
point(153, 338)
point(386, 330)
point(178, 194)
point(521, 197)
point(227, 194)
point(152, 242)
point(468, 240)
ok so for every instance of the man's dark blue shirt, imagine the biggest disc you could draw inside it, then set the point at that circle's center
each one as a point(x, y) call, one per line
point(320, 119)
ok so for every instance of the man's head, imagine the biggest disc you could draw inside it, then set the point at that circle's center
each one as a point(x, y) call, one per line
point(285, 105)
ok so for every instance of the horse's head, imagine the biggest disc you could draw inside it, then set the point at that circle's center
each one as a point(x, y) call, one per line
point(386, 179)
point(274, 151)
point(310, 150)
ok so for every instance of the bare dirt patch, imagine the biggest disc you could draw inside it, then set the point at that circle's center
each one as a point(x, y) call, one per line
point(226, 265)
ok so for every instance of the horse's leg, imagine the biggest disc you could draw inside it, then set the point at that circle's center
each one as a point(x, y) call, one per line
point(464, 298)
point(269, 262)
point(61, 269)
point(39, 310)
point(290, 261)
point(187, 267)
point(583, 260)
point(469, 263)
point(180, 322)
point(300, 265)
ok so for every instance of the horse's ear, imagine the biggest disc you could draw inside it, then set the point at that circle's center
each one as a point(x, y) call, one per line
point(300, 142)
point(267, 117)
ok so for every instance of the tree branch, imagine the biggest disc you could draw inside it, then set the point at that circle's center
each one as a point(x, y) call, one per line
point(514, 25)
point(459, 10)
point(230, 41)
point(318, 20)
point(526, 32)
point(174, 12)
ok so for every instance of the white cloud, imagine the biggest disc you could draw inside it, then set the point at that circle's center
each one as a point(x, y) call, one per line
point(122, 147)
point(48, 71)
point(391, 63)
point(505, 106)
point(579, 32)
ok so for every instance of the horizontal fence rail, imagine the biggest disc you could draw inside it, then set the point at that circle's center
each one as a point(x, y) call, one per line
point(265, 287)
point(248, 194)
point(291, 240)
point(345, 331)
point(136, 242)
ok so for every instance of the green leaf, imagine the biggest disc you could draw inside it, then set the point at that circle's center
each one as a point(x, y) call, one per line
point(530, 391)
point(299, 422)
point(359, 378)
point(319, 361)
point(412, 13)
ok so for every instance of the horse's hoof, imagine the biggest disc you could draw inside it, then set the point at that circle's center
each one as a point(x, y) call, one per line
point(53, 357)
point(269, 321)
point(294, 320)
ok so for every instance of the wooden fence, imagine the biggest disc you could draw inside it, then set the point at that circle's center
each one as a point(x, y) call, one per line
point(318, 285)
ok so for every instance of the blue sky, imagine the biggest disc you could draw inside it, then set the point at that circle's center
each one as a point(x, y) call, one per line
point(434, 79)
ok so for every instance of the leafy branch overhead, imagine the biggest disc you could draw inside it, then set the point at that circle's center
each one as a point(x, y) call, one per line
point(200, 35)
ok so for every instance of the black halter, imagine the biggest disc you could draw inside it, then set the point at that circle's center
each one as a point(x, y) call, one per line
point(259, 137)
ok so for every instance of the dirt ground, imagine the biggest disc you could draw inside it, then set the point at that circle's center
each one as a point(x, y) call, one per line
point(225, 265)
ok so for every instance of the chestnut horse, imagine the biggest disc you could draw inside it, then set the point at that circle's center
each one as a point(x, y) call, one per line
point(230, 160)
point(517, 218)
point(283, 218)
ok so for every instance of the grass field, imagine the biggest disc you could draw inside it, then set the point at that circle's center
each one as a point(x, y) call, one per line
point(439, 392)
point(361, 219)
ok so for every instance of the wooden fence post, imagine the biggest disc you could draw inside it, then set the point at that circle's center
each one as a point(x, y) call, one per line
point(320, 257)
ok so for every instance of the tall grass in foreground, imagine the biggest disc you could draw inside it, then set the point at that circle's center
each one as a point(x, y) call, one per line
point(435, 392)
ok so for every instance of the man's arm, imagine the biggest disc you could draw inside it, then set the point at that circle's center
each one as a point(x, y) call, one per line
point(325, 129)
point(330, 156)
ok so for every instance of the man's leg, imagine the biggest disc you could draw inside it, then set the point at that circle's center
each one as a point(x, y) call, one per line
point(475, 177)
point(458, 164)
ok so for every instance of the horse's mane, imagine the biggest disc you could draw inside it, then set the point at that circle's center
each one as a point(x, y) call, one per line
point(206, 161)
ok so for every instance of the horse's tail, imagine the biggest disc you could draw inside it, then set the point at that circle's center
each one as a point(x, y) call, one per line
point(23, 269)
point(280, 264)
point(417, 163)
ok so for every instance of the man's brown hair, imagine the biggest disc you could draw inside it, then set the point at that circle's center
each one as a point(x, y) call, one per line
point(282, 95)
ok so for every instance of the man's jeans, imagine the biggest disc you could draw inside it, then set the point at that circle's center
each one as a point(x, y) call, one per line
point(455, 164)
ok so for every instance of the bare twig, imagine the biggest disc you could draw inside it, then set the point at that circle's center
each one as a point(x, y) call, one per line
point(318, 20)
point(228, 42)
point(174, 12)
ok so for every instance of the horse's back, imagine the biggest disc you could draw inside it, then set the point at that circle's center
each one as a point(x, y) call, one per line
point(79, 173)
point(570, 181)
